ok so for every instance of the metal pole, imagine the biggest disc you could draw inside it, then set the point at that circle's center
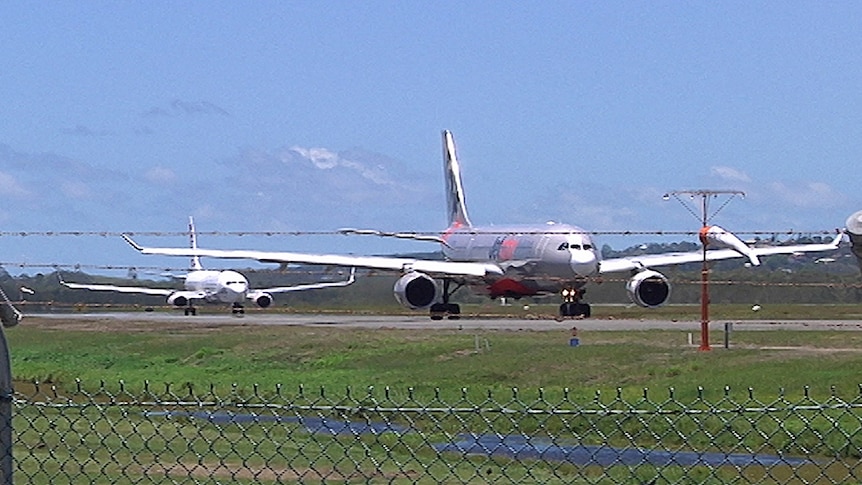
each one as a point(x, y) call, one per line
point(6, 396)
point(704, 285)
point(704, 304)
point(9, 316)
point(704, 218)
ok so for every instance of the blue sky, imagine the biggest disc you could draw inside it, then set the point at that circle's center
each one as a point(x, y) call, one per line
point(310, 116)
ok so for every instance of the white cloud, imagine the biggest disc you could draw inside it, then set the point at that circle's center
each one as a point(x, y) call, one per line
point(320, 157)
point(729, 174)
point(325, 159)
point(161, 175)
point(807, 195)
point(9, 186)
point(76, 190)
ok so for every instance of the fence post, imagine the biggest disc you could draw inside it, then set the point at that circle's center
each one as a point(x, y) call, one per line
point(9, 316)
point(6, 396)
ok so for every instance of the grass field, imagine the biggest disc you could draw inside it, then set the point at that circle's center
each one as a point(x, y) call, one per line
point(58, 352)
point(523, 368)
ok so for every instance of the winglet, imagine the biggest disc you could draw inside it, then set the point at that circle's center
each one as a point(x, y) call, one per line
point(715, 235)
point(837, 239)
point(132, 243)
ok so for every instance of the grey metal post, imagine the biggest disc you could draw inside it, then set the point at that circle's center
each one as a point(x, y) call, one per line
point(10, 317)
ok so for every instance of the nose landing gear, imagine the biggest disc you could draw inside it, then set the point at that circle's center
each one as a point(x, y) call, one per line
point(572, 306)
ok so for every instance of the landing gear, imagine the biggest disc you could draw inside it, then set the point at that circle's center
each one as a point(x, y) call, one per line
point(190, 310)
point(452, 311)
point(572, 306)
point(574, 310)
point(237, 309)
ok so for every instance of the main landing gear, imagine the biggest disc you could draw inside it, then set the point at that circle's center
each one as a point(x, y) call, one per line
point(572, 306)
point(452, 311)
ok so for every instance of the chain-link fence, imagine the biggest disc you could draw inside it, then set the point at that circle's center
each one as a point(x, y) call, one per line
point(187, 434)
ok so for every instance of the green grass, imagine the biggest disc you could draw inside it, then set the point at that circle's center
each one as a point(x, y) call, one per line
point(59, 352)
point(516, 369)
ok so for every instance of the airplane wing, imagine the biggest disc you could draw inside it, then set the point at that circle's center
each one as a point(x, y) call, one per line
point(120, 289)
point(311, 286)
point(669, 259)
point(431, 267)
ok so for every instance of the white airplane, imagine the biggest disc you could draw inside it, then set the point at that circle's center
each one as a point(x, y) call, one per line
point(512, 261)
point(211, 286)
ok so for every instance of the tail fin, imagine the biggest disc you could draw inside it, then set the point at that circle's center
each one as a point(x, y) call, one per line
point(457, 209)
point(193, 241)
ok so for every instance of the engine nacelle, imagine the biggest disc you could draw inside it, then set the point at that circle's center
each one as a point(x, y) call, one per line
point(648, 289)
point(178, 299)
point(416, 290)
point(854, 231)
point(262, 299)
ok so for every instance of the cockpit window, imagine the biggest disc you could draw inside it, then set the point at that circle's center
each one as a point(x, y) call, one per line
point(564, 246)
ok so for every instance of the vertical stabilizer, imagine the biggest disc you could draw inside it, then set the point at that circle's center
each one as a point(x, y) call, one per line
point(193, 241)
point(457, 209)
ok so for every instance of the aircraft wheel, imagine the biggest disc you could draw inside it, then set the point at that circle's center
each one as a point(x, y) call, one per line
point(438, 310)
point(454, 311)
point(585, 310)
point(576, 310)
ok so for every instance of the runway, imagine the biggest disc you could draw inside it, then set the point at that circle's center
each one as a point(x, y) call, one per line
point(422, 322)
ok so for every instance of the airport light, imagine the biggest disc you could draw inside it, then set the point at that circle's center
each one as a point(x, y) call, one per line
point(705, 195)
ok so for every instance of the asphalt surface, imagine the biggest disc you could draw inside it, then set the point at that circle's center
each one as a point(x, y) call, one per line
point(468, 323)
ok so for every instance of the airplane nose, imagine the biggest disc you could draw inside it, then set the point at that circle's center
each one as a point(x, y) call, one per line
point(584, 263)
point(237, 289)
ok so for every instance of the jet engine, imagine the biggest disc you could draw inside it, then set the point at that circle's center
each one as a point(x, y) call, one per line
point(854, 230)
point(648, 289)
point(261, 299)
point(178, 299)
point(416, 290)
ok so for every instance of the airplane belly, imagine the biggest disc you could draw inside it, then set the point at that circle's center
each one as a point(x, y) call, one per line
point(521, 287)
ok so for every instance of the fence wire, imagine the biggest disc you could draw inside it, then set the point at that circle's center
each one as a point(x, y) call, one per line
point(168, 434)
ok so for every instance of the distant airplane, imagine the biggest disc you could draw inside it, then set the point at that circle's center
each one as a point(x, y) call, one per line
point(211, 286)
point(512, 261)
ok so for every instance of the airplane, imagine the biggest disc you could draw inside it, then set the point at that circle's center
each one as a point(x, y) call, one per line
point(512, 261)
point(211, 286)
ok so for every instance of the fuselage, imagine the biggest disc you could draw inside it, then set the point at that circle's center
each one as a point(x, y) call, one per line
point(535, 258)
point(218, 286)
